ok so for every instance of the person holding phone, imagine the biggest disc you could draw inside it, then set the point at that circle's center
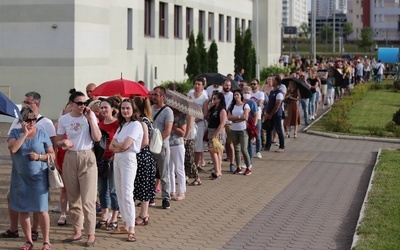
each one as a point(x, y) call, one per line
point(79, 166)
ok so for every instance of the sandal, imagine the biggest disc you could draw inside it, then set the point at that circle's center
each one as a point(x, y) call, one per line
point(62, 221)
point(27, 246)
point(180, 197)
point(196, 182)
point(46, 246)
point(295, 135)
point(112, 226)
point(143, 221)
point(131, 237)
point(35, 235)
point(102, 224)
point(9, 234)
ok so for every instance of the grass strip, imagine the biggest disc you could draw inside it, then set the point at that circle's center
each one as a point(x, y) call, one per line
point(380, 227)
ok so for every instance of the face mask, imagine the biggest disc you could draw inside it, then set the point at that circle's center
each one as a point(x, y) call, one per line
point(247, 96)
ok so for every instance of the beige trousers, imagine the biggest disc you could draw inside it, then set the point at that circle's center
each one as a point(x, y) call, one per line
point(80, 180)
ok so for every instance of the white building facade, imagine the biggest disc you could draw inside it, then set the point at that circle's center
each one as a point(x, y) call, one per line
point(294, 12)
point(51, 46)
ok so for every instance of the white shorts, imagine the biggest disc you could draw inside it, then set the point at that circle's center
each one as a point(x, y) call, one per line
point(324, 88)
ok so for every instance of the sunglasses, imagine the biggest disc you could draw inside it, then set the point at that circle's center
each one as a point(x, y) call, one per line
point(30, 120)
point(28, 103)
point(80, 103)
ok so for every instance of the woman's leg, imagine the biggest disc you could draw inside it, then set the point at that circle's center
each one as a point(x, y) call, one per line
point(244, 140)
point(25, 221)
point(236, 145)
point(104, 197)
point(180, 169)
point(44, 221)
point(172, 165)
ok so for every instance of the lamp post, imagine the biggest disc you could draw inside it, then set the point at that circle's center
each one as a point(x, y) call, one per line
point(334, 27)
point(257, 47)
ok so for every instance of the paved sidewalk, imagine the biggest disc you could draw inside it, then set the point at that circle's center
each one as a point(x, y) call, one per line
point(306, 198)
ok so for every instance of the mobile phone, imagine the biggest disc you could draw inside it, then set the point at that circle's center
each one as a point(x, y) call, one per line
point(85, 111)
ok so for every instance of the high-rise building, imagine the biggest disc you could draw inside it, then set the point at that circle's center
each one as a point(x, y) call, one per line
point(383, 17)
point(294, 12)
point(325, 8)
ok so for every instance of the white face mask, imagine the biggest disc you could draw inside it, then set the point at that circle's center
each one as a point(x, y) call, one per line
point(247, 96)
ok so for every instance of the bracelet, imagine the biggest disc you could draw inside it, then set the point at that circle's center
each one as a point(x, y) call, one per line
point(40, 157)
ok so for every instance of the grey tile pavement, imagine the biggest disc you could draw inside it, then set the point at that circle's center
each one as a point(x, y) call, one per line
point(306, 198)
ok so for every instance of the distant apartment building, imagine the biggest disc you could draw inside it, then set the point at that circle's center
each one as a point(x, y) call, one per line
point(325, 8)
point(382, 16)
point(294, 12)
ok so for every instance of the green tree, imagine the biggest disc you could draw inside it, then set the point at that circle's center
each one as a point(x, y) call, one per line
point(239, 62)
point(248, 55)
point(213, 58)
point(192, 59)
point(326, 33)
point(365, 42)
point(201, 49)
point(304, 30)
point(347, 29)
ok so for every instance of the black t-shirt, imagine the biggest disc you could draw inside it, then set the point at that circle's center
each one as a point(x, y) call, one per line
point(321, 74)
point(213, 117)
point(312, 82)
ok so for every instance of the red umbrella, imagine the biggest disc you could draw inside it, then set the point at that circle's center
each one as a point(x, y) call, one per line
point(123, 87)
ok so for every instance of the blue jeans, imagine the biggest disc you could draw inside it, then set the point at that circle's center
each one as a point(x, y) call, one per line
point(277, 125)
point(304, 106)
point(107, 195)
point(313, 98)
point(379, 78)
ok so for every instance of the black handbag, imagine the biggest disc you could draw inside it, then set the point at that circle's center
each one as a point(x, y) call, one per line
point(267, 125)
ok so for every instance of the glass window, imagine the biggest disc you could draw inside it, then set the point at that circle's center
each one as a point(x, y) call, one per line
point(163, 20)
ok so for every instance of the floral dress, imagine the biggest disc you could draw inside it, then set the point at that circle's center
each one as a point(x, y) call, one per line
point(145, 177)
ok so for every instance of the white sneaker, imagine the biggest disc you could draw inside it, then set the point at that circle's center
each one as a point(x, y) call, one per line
point(258, 155)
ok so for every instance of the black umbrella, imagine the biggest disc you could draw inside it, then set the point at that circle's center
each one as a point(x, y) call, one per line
point(305, 91)
point(217, 78)
point(8, 108)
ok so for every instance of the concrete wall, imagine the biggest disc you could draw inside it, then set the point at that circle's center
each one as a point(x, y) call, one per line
point(51, 46)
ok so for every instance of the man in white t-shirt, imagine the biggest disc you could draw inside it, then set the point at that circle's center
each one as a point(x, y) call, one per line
point(259, 97)
point(230, 151)
point(32, 99)
point(214, 87)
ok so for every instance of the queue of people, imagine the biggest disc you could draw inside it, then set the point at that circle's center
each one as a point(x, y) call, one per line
point(132, 167)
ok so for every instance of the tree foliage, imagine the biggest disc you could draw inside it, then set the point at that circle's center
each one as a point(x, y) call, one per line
point(201, 49)
point(304, 30)
point(192, 59)
point(347, 29)
point(239, 62)
point(365, 42)
point(248, 56)
point(213, 58)
point(326, 33)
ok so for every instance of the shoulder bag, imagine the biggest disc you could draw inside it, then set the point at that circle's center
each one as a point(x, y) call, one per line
point(156, 140)
point(55, 180)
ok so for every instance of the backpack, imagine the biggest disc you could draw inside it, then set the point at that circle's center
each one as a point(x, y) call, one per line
point(156, 140)
point(252, 130)
point(99, 147)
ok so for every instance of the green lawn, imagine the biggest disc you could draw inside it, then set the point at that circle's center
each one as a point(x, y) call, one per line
point(380, 228)
point(375, 109)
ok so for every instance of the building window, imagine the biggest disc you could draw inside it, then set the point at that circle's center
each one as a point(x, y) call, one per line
point(189, 21)
point(210, 26)
point(129, 29)
point(228, 29)
point(163, 20)
point(221, 28)
point(178, 21)
point(250, 23)
point(237, 24)
point(202, 21)
point(243, 25)
point(149, 18)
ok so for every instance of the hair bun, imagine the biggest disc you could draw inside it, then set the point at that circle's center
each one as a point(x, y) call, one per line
point(71, 91)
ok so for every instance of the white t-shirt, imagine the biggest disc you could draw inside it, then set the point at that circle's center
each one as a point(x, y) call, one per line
point(228, 100)
point(199, 100)
point(210, 89)
point(45, 123)
point(238, 111)
point(133, 130)
point(77, 130)
point(256, 97)
point(192, 91)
